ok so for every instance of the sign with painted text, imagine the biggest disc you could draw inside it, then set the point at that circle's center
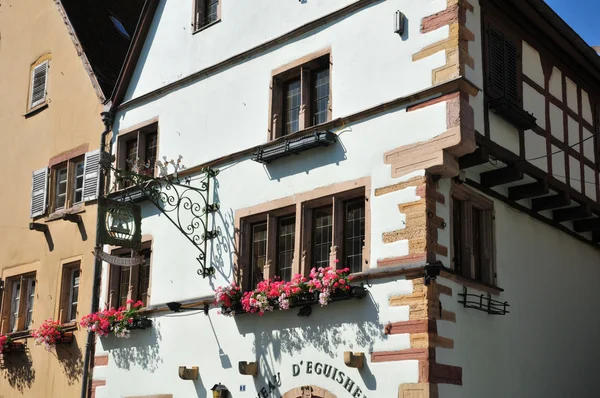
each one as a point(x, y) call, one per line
point(313, 368)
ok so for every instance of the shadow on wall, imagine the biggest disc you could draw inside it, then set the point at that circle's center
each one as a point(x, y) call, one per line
point(142, 351)
point(18, 370)
point(71, 361)
point(224, 245)
point(307, 161)
point(338, 327)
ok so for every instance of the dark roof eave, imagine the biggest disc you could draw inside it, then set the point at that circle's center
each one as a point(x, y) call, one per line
point(133, 53)
point(571, 40)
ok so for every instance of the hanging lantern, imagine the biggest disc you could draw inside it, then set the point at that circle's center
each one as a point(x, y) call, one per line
point(120, 224)
point(220, 391)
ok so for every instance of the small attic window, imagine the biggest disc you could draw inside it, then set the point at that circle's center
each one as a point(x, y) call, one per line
point(119, 27)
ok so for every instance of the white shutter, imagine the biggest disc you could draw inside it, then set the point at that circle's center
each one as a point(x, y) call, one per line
point(91, 173)
point(39, 192)
point(39, 82)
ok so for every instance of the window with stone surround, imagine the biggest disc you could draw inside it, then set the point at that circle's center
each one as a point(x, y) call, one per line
point(286, 237)
point(69, 295)
point(130, 283)
point(472, 220)
point(137, 151)
point(301, 95)
point(17, 304)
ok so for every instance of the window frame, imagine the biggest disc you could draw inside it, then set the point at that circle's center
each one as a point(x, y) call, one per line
point(31, 106)
point(114, 282)
point(198, 11)
point(490, 25)
point(70, 166)
point(138, 134)
point(470, 199)
point(66, 292)
point(301, 206)
point(22, 320)
point(304, 70)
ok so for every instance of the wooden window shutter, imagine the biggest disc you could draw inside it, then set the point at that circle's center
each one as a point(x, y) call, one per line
point(39, 82)
point(496, 62)
point(91, 175)
point(511, 60)
point(503, 68)
point(39, 192)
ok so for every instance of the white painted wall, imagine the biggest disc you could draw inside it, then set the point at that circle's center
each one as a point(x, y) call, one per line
point(547, 346)
point(216, 344)
point(228, 112)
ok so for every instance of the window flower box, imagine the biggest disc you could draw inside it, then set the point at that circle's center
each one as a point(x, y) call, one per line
point(51, 333)
point(140, 323)
point(118, 321)
point(325, 285)
point(66, 338)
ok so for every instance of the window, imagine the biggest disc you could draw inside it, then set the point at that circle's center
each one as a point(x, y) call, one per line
point(39, 84)
point(301, 96)
point(19, 303)
point(69, 297)
point(130, 282)
point(295, 238)
point(503, 58)
point(67, 184)
point(472, 235)
point(206, 12)
point(137, 152)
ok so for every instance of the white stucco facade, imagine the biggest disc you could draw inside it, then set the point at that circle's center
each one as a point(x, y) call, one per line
point(227, 111)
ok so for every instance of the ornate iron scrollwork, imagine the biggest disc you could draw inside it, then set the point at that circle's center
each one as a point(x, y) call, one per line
point(186, 206)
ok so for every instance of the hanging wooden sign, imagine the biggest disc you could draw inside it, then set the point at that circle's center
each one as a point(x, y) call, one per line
point(119, 261)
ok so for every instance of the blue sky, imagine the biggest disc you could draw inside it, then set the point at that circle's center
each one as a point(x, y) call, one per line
point(582, 15)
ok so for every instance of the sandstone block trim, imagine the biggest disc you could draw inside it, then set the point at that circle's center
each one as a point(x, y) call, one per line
point(456, 46)
point(95, 384)
point(100, 360)
point(418, 390)
point(424, 313)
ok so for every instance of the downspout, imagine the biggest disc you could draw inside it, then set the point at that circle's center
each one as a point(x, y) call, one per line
point(107, 119)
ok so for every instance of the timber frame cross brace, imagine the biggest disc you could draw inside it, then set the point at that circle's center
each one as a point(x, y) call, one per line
point(187, 207)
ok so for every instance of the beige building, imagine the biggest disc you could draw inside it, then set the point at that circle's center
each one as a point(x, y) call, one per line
point(54, 78)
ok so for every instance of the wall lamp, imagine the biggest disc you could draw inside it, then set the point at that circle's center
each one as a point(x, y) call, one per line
point(220, 391)
point(178, 307)
point(399, 23)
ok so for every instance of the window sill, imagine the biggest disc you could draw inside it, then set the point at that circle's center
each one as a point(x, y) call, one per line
point(35, 110)
point(60, 214)
point(206, 26)
point(512, 113)
point(472, 283)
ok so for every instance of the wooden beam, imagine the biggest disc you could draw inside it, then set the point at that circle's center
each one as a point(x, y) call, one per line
point(480, 156)
point(500, 176)
point(587, 225)
point(537, 216)
point(528, 191)
point(572, 213)
point(550, 202)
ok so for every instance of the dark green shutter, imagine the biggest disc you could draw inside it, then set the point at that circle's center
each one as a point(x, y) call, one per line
point(503, 66)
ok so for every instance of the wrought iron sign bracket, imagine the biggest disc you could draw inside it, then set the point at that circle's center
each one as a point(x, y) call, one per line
point(186, 206)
